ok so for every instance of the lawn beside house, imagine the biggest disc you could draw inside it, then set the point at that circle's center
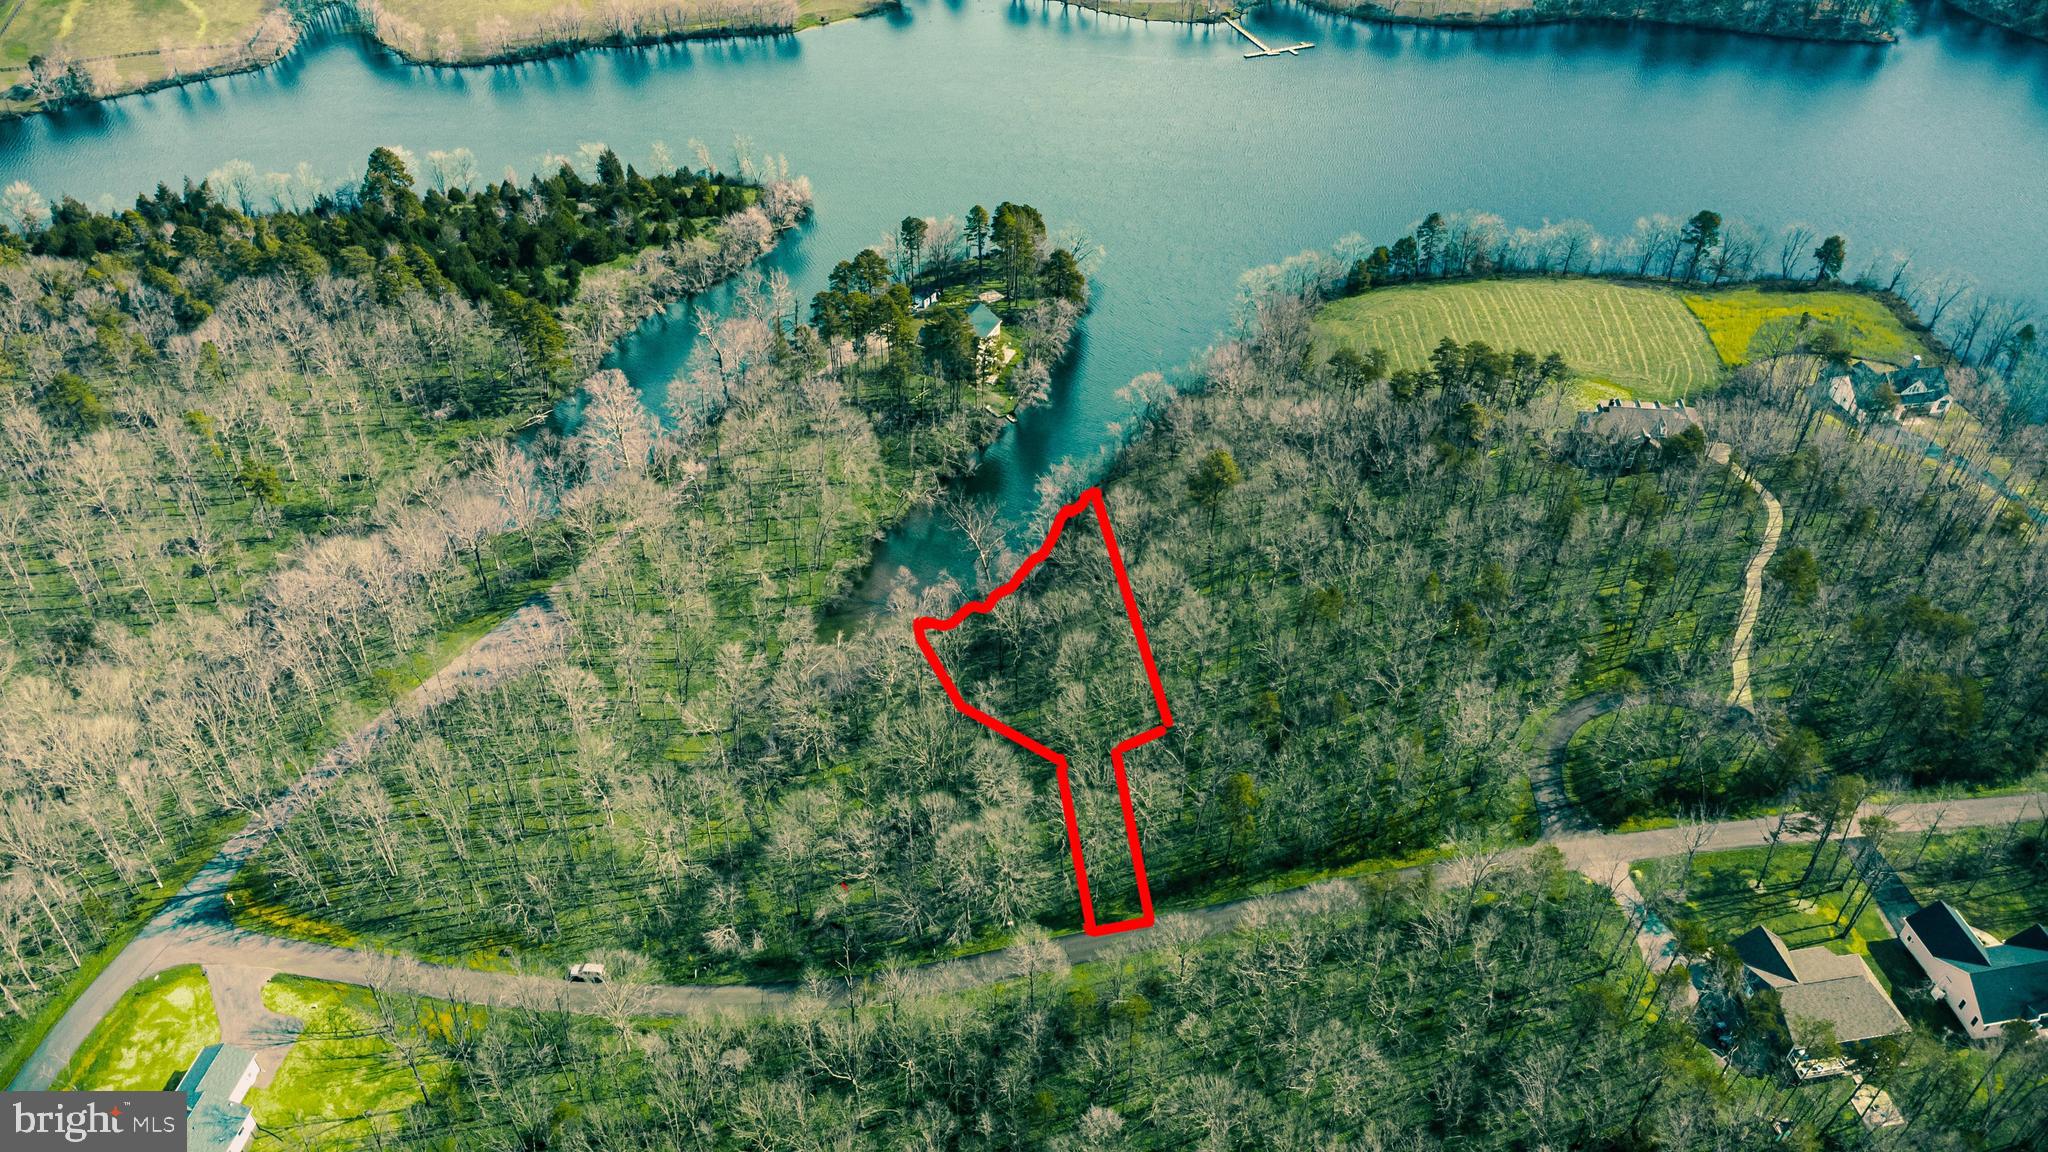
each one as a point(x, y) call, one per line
point(343, 1081)
point(1996, 877)
point(1725, 894)
point(149, 1038)
point(1751, 323)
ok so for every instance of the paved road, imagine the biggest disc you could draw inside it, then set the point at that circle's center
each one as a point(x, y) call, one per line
point(1556, 815)
point(1602, 857)
point(1752, 579)
point(1593, 852)
point(190, 928)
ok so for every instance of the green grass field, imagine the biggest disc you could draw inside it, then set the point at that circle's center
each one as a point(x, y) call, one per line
point(1723, 898)
point(341, 1080)
point(475, 23)
point(129, 44)
point(1643, 340)
point(152, 1034)
point(1750, 323)
point(1994, 890)
point(77, 30)
point(1178, 11)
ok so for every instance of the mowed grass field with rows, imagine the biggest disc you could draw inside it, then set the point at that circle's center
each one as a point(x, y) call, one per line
point(1643, 340)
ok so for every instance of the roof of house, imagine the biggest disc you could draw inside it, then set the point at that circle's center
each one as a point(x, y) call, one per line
point(214, 1125)
point(1766, 955)
point(1918, 384)
point(1854, 1006)
point(1626, 418)
point(2010, 979)
point(1913, 383)
point(1947, 935)
point(1815, 985)
point(985, 321)
point(215, 1119)
point(216, 1071)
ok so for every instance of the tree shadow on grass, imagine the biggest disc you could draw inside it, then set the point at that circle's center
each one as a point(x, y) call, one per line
point(1903, 974)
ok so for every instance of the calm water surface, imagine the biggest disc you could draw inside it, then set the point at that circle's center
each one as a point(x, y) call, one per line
point(1185, 162)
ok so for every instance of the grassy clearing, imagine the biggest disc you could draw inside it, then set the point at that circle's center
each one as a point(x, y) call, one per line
point(1996, 888)
point(1728, 893)
point(74, 29)
point(129, 44)
point(1749, 323)
point(342, 1081)
point(152, 1035)
point(1641, 340)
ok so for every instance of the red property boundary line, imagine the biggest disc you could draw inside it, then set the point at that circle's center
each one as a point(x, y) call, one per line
point(924, 626)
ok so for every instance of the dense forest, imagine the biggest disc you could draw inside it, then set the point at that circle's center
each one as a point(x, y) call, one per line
point(771, 493)
point(244, 495)
point(238, 530)
point(1291, 513)
point(521, 250)
point(850, 818)
point(1359, 583)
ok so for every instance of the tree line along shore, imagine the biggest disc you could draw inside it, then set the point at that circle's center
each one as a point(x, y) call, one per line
point(52, 56)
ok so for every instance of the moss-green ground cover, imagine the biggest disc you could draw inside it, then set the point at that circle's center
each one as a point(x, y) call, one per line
point(1728, 893)
point(343, 1080)
point(1749, 323)
point(150, 1037)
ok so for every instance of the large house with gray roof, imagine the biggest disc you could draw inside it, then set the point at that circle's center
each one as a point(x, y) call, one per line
point(1818, 987)
point(1985, 983)
point(1617, 435)
point(1864, 393)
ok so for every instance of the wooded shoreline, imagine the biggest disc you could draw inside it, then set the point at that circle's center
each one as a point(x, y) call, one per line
point(350, 17)
point(61, 83)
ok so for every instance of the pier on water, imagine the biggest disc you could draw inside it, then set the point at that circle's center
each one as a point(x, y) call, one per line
point(1263, 48)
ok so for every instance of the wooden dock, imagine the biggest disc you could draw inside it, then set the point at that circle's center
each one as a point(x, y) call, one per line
point(1265, 49)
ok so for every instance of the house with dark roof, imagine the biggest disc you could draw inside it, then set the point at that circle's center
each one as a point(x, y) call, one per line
point(217, 1120)
point(1614, 436)
point(1818, 987)
point(1985, 983)
point(1865, 393)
